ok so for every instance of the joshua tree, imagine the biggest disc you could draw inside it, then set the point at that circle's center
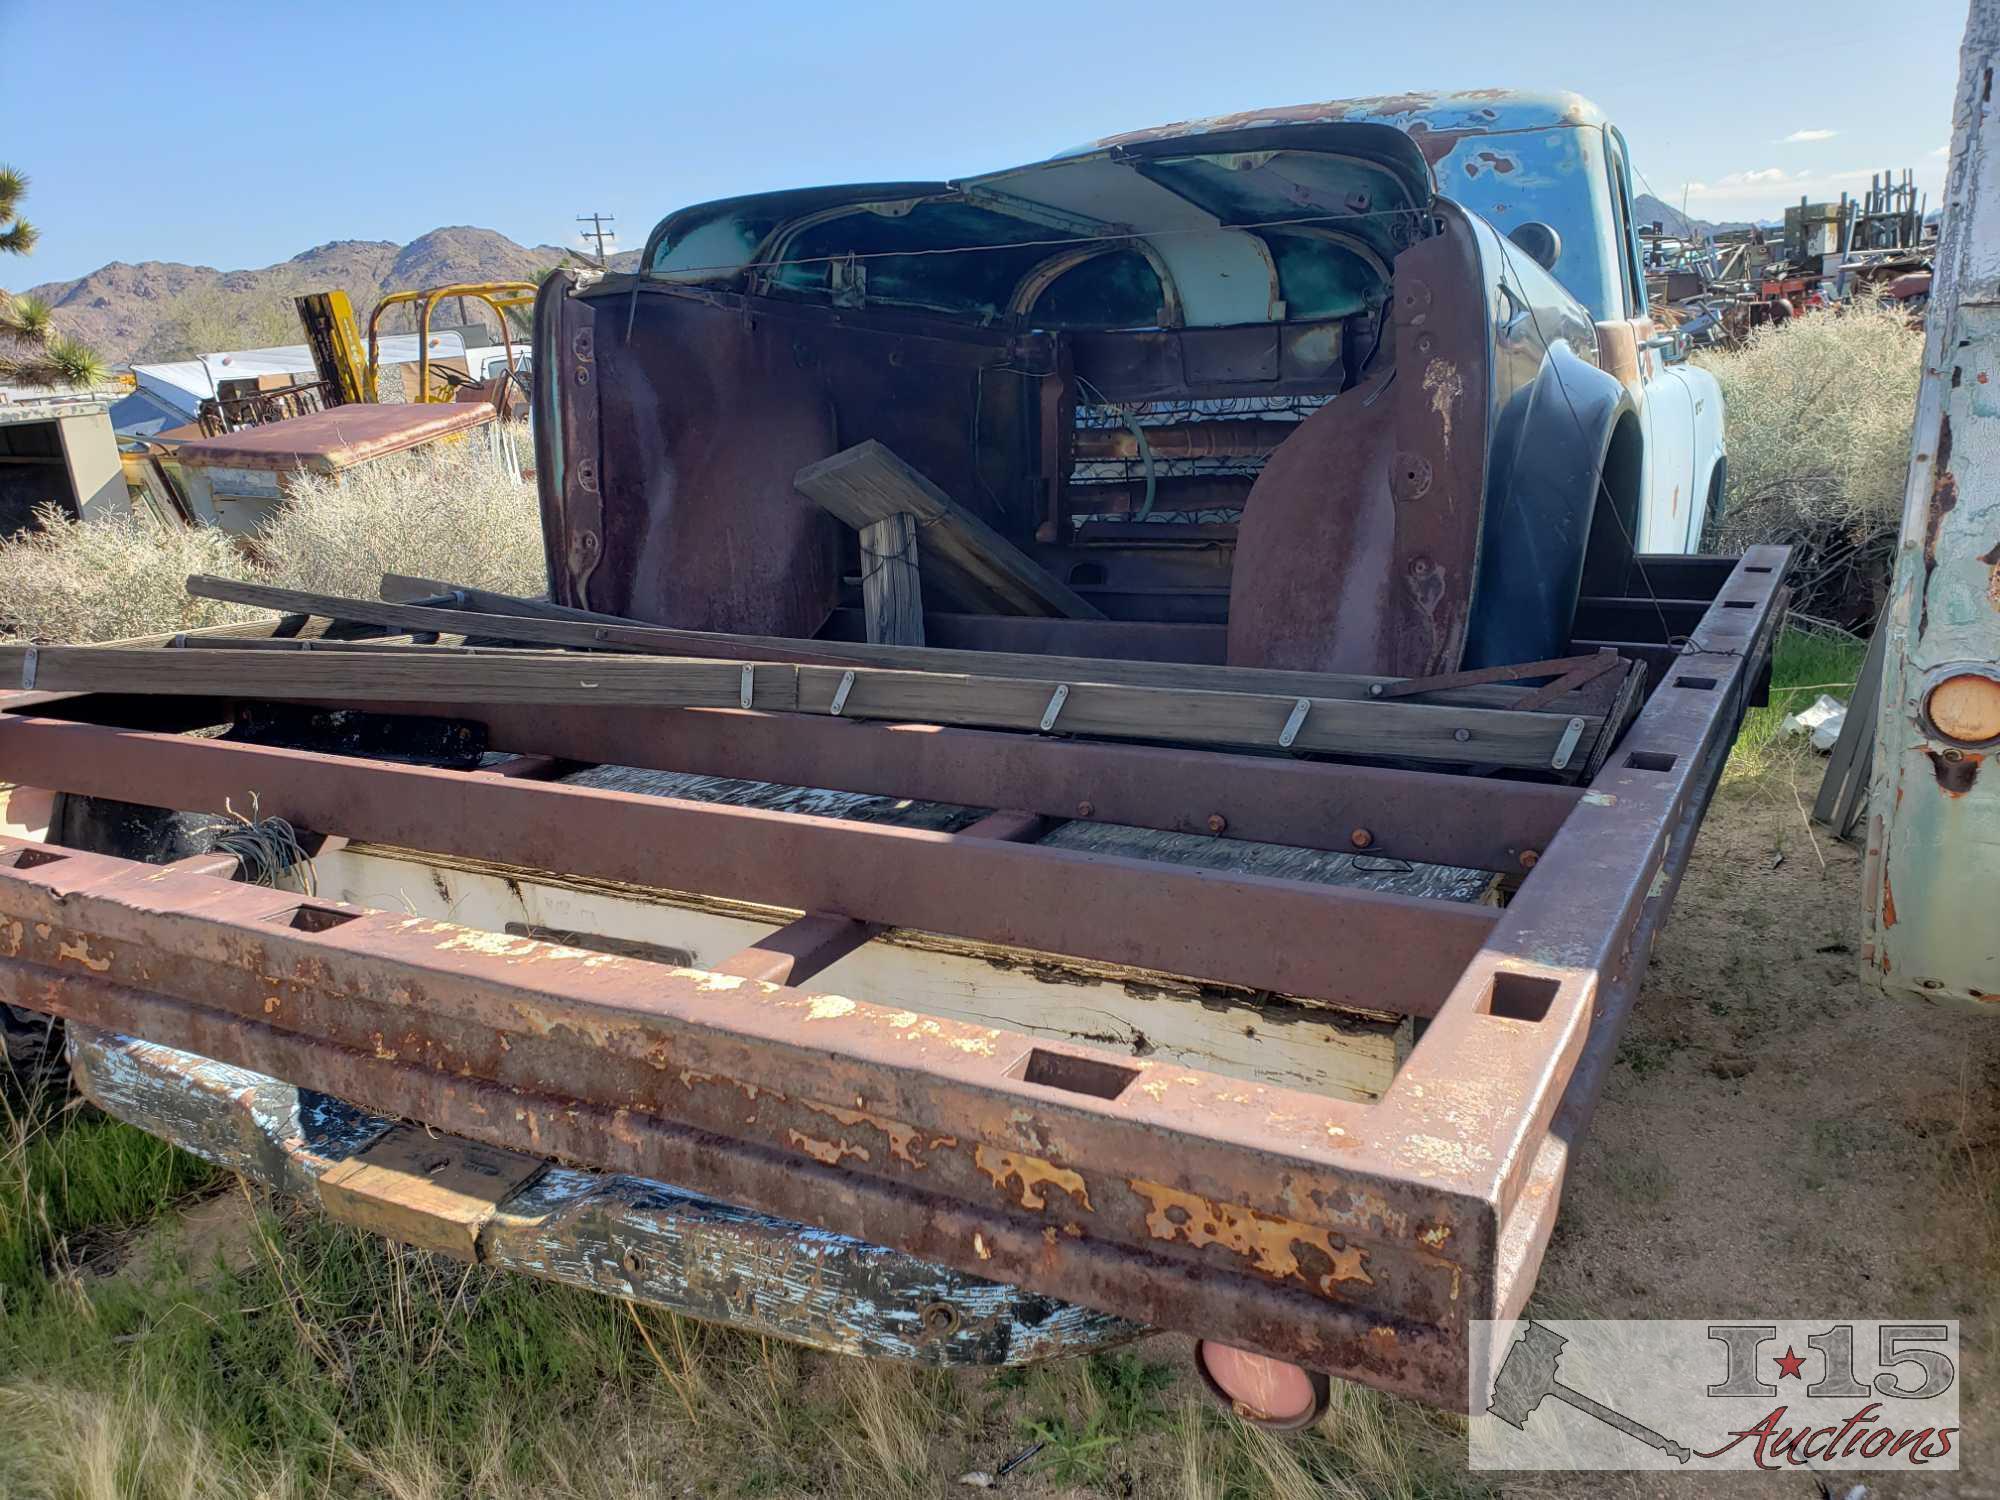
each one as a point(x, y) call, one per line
point(31, 351)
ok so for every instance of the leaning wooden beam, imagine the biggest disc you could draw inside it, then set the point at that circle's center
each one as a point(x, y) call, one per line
point(1333, 943)
point(661, 640)
point(868, 483)
point(891, 594)
point(1404, 731)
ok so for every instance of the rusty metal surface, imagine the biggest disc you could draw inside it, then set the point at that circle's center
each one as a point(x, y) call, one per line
point(678, 377)
point(1352, 947)
point(1359, 545)
point(328, 441)
point(1356, 1239)
point(630, 1237)
point(1414, 815)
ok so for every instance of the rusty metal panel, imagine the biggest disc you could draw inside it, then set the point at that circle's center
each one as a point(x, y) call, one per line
point(1930, 929)
point(630, 1237)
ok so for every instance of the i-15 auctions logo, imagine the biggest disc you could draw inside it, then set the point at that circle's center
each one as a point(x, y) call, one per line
point(1818, 1394)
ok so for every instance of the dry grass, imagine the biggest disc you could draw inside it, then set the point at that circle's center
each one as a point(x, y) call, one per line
point(442, 512)
point(1819, 416)
point(106, 580)
point(446, 512)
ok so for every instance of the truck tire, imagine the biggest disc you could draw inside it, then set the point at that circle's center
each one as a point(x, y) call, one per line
point(31, 1045)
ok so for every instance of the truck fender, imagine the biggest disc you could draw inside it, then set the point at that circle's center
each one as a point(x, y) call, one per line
point(1561, 505)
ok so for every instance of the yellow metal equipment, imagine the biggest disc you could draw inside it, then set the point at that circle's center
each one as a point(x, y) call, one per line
point(498, 295)
point(328, 319)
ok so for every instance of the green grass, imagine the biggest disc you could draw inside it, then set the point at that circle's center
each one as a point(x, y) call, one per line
point(1804, 664)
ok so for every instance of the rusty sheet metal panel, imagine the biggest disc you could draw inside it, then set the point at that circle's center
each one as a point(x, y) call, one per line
point(1355, 1239)
point(701, 406)
point(1933, 864)
point(629, 1237)
point(325, 442)
point(1359, 547)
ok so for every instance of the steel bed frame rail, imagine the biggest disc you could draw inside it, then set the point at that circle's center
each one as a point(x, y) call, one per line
point(1355, 1239)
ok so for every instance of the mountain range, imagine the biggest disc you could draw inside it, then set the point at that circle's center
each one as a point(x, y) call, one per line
point(158, 310)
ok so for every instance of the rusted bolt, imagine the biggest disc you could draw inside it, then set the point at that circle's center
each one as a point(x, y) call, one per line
point(1216, 822)
point(1361, 838)
point(940, 1319)
point(1530, 858)
point(1085, 809)
point(1419, 566)
point(1424, 344)
point(633, 1262)
point(1461, 735)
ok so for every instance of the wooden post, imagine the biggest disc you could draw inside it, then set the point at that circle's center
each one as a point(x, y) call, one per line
point(891, 593)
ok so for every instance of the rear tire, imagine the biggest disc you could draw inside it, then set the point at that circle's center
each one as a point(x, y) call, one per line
point(31, 1046)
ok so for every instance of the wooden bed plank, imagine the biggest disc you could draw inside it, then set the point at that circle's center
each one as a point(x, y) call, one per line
point(868, 483)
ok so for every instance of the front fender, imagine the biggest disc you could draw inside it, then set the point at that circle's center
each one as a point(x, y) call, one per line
point(1549, 457)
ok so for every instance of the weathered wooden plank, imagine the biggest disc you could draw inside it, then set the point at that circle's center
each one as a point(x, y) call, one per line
point(1333, 726)
point(891, 595)
point(436, 1192)
point(665, 641)
point(412, 673)
point(868, 483)
point(421, 674)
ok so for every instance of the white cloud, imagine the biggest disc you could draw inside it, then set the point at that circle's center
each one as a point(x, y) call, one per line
point(1944, 150)
point(1800, 137)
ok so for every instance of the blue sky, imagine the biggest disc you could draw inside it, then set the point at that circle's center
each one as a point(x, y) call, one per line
point(238, 134)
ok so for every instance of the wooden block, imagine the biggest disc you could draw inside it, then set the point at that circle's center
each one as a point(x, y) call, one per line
point(891, 596)
point(868, 483)
point(436, 1192)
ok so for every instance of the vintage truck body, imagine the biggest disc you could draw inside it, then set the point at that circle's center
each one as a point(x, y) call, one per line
point(1218, 918)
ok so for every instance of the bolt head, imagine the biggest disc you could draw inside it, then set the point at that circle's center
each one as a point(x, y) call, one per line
point(1216, 822)
point(1530, 858)
point(1361, 838)
point(1461, 735)
point(1085, 809)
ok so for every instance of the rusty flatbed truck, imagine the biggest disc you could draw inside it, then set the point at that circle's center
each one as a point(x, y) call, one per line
point(1222, 921)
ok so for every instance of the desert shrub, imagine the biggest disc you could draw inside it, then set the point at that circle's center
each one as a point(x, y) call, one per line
point(446, 512)
point(1819, 416)
point(70, 580)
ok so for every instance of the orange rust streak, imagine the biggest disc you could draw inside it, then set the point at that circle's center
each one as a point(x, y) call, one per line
point(1265, 1240)
point(1033, 1173)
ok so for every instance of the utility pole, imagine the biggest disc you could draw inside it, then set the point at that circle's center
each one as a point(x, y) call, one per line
point(598, 232)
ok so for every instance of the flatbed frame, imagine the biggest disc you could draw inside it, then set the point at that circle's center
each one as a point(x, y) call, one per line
point(1355, 1239)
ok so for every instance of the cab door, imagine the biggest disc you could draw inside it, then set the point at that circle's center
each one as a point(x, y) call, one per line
point(1674, 403)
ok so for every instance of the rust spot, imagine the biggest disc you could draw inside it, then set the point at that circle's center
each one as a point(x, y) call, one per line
point(1944, 498)
point(1888, 905)
point(905, 1141)
point(1444, 385)
point(77, 952)
point(1956, 771)
point(827, 1152)
point(1435, 1236)
point(1033, 1172)
point(1268, 1242)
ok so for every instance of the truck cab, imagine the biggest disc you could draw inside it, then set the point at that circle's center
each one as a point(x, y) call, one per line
point(1358, 386)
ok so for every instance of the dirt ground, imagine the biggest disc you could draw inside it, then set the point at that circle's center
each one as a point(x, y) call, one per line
point(1777, 1140)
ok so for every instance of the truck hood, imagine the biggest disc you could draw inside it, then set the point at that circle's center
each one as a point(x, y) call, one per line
point(1260, 222)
